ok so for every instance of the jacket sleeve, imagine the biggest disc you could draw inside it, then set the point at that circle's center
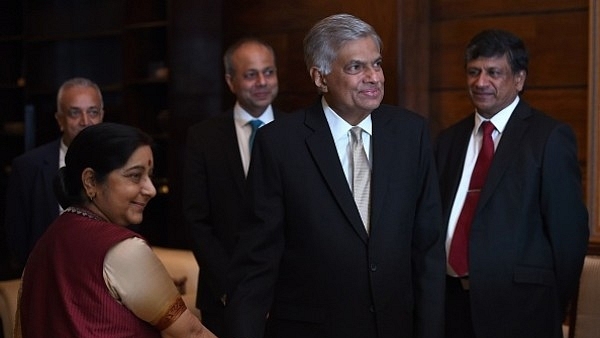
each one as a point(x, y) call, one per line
point(428, 250)
point(564, 212)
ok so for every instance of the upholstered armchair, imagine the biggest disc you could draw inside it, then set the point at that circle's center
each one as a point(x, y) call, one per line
point(9, 291)
point(584, 319)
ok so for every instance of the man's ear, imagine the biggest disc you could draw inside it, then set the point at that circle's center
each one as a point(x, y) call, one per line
point(520, 78)
point(318, 79)
point(59, 121)
point(229, 81)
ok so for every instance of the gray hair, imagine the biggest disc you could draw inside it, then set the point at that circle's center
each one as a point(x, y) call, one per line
point(77, 82)
point(327, 36)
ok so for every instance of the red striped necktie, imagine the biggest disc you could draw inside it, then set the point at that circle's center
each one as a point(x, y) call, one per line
point(458, 257)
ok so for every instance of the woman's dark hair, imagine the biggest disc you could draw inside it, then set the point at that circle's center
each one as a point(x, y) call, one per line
point(496, 42)
point(103, 147)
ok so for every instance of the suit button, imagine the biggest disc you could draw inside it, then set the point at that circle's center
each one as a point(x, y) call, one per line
point(372, 309)
point(373, 267)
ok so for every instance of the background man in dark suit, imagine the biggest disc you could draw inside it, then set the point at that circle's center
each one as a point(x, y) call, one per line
point(30, 202)
point(309, 262)
point(529, 232)
point(217, 159)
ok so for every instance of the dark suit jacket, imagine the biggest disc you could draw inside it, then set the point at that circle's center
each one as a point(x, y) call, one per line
point(212, 198)
point(30, 201)
point(303, 254)
point(530, 231)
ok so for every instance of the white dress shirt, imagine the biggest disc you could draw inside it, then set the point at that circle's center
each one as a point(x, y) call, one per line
point(499, 120)
point(340, 130)
point(62, 152)
point(243, 130)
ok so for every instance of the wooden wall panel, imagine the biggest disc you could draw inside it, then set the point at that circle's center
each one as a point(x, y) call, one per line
point(448, 107)
point(452, 9)
point(196, 90)
point(594, 122)
point(557, 44)
point(413, 49)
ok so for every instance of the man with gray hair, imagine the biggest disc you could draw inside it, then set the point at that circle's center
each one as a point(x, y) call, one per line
point(342, 236)
point(30, 201)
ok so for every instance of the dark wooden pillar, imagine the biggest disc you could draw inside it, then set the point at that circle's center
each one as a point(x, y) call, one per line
point(413, 50)
point(196, 88)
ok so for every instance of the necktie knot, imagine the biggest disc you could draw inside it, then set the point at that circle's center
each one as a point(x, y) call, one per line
point(255, 124)
point(356, 135)
point(488, 128)
point(484, 159)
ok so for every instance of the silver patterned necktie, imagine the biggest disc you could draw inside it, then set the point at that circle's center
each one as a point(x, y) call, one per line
point(361, 175)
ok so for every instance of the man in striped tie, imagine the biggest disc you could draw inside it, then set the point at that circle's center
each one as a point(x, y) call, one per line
point(512, 200)
point(343, 237)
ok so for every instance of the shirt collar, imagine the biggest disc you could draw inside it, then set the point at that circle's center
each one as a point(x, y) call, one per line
point(63, 146)
point(500, 119)
point(339, 127)
point(242, 117)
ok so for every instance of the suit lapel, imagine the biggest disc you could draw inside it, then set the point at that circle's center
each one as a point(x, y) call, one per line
point(508, 146)
point(456, 160)
point(231, 148)
point(49, 169)
point(277, 113)
point(321, 146)
point(383, 146)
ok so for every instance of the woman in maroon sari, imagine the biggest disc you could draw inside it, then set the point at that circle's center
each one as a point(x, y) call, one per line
point(90, 276)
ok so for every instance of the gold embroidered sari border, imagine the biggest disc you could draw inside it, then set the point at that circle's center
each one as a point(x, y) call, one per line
point(172, 315)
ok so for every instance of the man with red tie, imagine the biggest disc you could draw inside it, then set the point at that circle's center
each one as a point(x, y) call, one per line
point(512, 199)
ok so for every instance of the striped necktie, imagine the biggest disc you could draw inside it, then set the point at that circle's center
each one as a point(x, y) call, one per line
point(361, 175)
point(458, 258)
